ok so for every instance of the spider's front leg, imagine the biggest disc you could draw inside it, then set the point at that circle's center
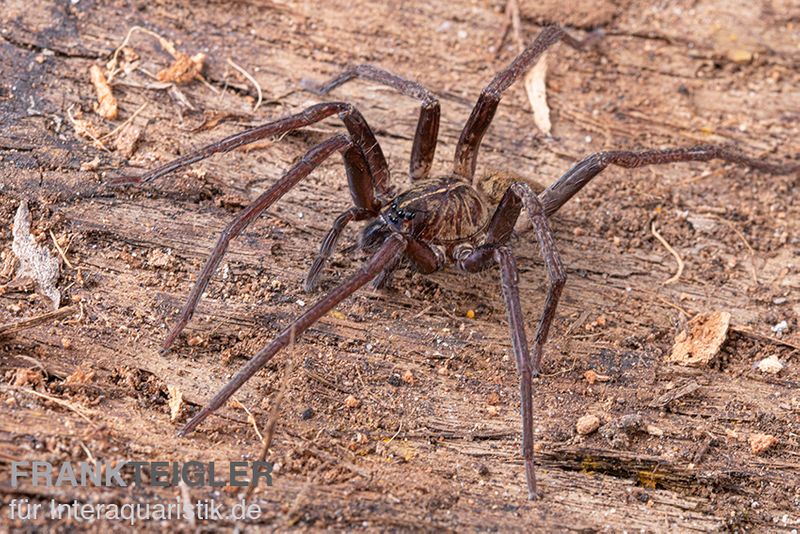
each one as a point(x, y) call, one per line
point(312, 159)
point(390, 250)
point(367, 174)
point(424, 147)
point(518, 196)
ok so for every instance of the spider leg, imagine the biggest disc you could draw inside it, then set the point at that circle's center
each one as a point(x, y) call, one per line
point(509, 277)
point(424, 147)
point(518, 196)
point(579, 175)
point(482, 114)
point(312, 159)
point(393, 247)
point(356, 126)
point(328, 244)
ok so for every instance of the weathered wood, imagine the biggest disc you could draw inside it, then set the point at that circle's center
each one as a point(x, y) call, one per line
point(443, 452)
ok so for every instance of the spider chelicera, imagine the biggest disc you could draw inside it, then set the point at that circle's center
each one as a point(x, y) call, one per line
point(436, 222)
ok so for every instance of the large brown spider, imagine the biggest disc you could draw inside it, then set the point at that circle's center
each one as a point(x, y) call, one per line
point(436, 222)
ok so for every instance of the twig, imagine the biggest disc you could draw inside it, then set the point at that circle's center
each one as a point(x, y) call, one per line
point(89, 134)
point(60, 250)
point(763, 337)
point(250, 79)
point(13, 328)
point(60, 402)
point(250, 418)
point(672, 251)
point(744, 240)
point(400, 427)
point(124, 124)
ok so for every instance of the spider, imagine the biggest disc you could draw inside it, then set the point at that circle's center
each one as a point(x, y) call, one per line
point(437, 222)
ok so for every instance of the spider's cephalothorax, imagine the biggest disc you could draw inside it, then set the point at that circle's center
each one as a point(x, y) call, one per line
point(442, 212)
point(433, 223)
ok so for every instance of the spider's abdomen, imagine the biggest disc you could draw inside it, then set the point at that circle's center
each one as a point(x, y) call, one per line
point(443, 211)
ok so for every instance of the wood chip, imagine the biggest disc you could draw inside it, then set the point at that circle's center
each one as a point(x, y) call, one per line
point(106, 102)
point(35, 261)
point(593, 377)
point(761, 442)
point(702, 340)
point(79, 377)
point(175, 402)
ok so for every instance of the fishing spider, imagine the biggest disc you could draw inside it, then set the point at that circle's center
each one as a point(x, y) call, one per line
point(436, 222)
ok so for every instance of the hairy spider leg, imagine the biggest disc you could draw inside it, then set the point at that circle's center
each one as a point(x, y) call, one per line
point(520, 195)
point(311, 160)
point(393, 247)
point(469, 142)
point(424, 146)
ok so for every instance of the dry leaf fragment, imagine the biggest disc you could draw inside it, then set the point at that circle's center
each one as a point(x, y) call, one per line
point(761, 442)
point(175, 402)
point(106, 102)
point(536, 89)
point(701, 342)
point(184, 69)
point(35, 261)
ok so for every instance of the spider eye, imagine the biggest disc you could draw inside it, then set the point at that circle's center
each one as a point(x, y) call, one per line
point(408, 215)
point(393, 218)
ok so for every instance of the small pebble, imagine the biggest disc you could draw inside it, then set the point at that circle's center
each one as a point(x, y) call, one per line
point(781, 327)
point(66, 342)
point(771, 365)
point(351, 402)
point(307, 414)
point(395, 381)
point(779, 300)
point(470, 314)
point(587, 424)
point(408, 378)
